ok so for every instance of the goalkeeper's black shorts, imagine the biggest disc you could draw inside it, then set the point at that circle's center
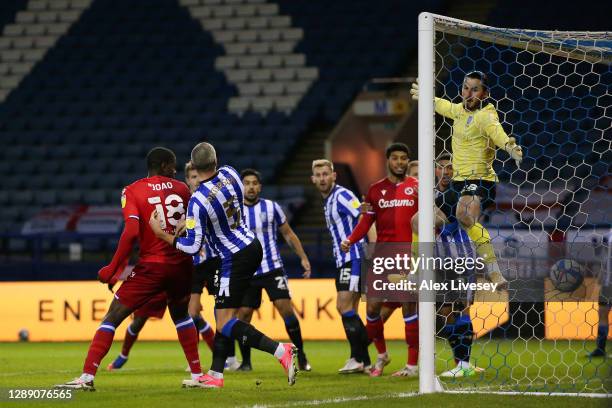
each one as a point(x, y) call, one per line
point(482, 188)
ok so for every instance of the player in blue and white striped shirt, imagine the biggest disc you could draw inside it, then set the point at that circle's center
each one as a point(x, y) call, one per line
point(265, 218)
point(215, 212)
point(341, 209)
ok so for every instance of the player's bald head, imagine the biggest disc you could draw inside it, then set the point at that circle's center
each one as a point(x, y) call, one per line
point(204, 157)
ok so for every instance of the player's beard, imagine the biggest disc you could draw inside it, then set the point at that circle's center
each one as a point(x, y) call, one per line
point(251, 197)
point(398, 175)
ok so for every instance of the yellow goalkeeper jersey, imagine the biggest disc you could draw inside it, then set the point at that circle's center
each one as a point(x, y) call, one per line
point(474, 137)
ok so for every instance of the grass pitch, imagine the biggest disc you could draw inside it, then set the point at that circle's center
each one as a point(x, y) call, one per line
point(152, 377)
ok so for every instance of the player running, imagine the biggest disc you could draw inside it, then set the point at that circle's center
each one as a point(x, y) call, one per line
point(215, 211)
point(475, 136)
point(160, 269)
point(392, 202)
point(341, 209)
point(265, 218)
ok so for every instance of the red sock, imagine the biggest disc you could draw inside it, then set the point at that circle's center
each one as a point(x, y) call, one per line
point(128, 342)
point(188, 337)
point(98, 348)
point(376, 334)
point(208, 335)
point(411, 333)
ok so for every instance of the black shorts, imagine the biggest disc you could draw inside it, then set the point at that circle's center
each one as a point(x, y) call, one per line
point(205, 274)
point(274, 282)
point(343, 278)
point(451, 295)
point(482, 188)
point(235, 276)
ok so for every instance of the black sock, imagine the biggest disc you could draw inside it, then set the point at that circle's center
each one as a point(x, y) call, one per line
point(232, 349)
point(292, 324)
point(461, 339)
point(364, 343)
point(354, 329)
point(199, 323)
point(602, 336)
point(245, 350)
point(250, 336)
point(220, 352)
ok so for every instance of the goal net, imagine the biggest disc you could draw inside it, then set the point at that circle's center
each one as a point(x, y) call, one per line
point(551, 91)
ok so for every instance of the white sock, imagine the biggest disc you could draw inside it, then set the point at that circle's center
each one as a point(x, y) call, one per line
point(280, 350)
point(195, 376)
point(231, 360)
point(382, 355)
point(464, 364)
point(411, 367)
point(87, 377)
point(215, 374)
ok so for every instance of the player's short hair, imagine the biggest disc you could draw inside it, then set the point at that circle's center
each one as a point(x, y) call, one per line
point(158, 156)
point(484, 79)
point(322, 163)
point(189, 167)
point(204, 157)
point(397, 147)
point(444, 156)
point(250, 172)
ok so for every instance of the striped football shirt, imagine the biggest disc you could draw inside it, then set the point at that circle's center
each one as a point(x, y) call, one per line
point(341, 210)
point(264, 218)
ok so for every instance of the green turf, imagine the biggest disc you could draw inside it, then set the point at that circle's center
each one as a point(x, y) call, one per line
point(153, 376)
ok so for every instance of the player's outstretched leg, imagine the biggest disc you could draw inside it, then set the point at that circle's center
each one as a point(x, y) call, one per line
point(131, 335)
point(235, 329)
point(101, 343)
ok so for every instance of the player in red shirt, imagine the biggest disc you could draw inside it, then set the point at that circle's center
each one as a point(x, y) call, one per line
point(160, 268)
point(392, 201)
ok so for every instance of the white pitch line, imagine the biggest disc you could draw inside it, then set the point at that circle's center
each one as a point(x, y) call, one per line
point(338, 400)
point(536, 393)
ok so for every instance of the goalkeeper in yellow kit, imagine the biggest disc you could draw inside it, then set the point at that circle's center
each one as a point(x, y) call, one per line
point(475, 136)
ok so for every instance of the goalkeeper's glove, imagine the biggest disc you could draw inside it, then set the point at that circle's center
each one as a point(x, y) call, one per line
point(414, 91)
point(514, 150)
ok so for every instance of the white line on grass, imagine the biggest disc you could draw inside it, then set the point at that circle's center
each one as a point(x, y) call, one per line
point(535, 393)
point(339, 400)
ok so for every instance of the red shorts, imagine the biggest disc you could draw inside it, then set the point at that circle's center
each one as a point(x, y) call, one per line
point(150, 279)
point(156, 307)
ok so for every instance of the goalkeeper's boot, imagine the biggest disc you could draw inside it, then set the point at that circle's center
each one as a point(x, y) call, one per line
point(407, 371)
point(382, 361)
point(80, 383)
point(459, 371)
point(204, 381)
point(303, 363)
point(352, 366)
point(289, 362)
point(118, 363)
point(597, 353)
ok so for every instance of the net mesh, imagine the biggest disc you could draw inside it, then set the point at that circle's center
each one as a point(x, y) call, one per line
point(552, 92)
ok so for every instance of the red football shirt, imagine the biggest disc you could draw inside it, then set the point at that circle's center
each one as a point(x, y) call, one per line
point(169, 197)
point(393, 206)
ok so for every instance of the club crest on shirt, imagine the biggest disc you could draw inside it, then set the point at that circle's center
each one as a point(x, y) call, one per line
point(190, 223)
point(263, 217)
point(409, 191)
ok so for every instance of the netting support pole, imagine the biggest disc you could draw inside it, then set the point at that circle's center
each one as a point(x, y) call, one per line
point(427, 317)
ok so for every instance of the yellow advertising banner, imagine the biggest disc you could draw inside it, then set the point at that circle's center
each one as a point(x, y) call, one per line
point(72, 311)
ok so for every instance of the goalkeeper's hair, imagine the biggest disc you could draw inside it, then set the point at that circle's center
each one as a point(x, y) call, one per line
point(484, 79)
point(204, 157)
point(397, 147)
point(159, 156)
point(250, 172)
